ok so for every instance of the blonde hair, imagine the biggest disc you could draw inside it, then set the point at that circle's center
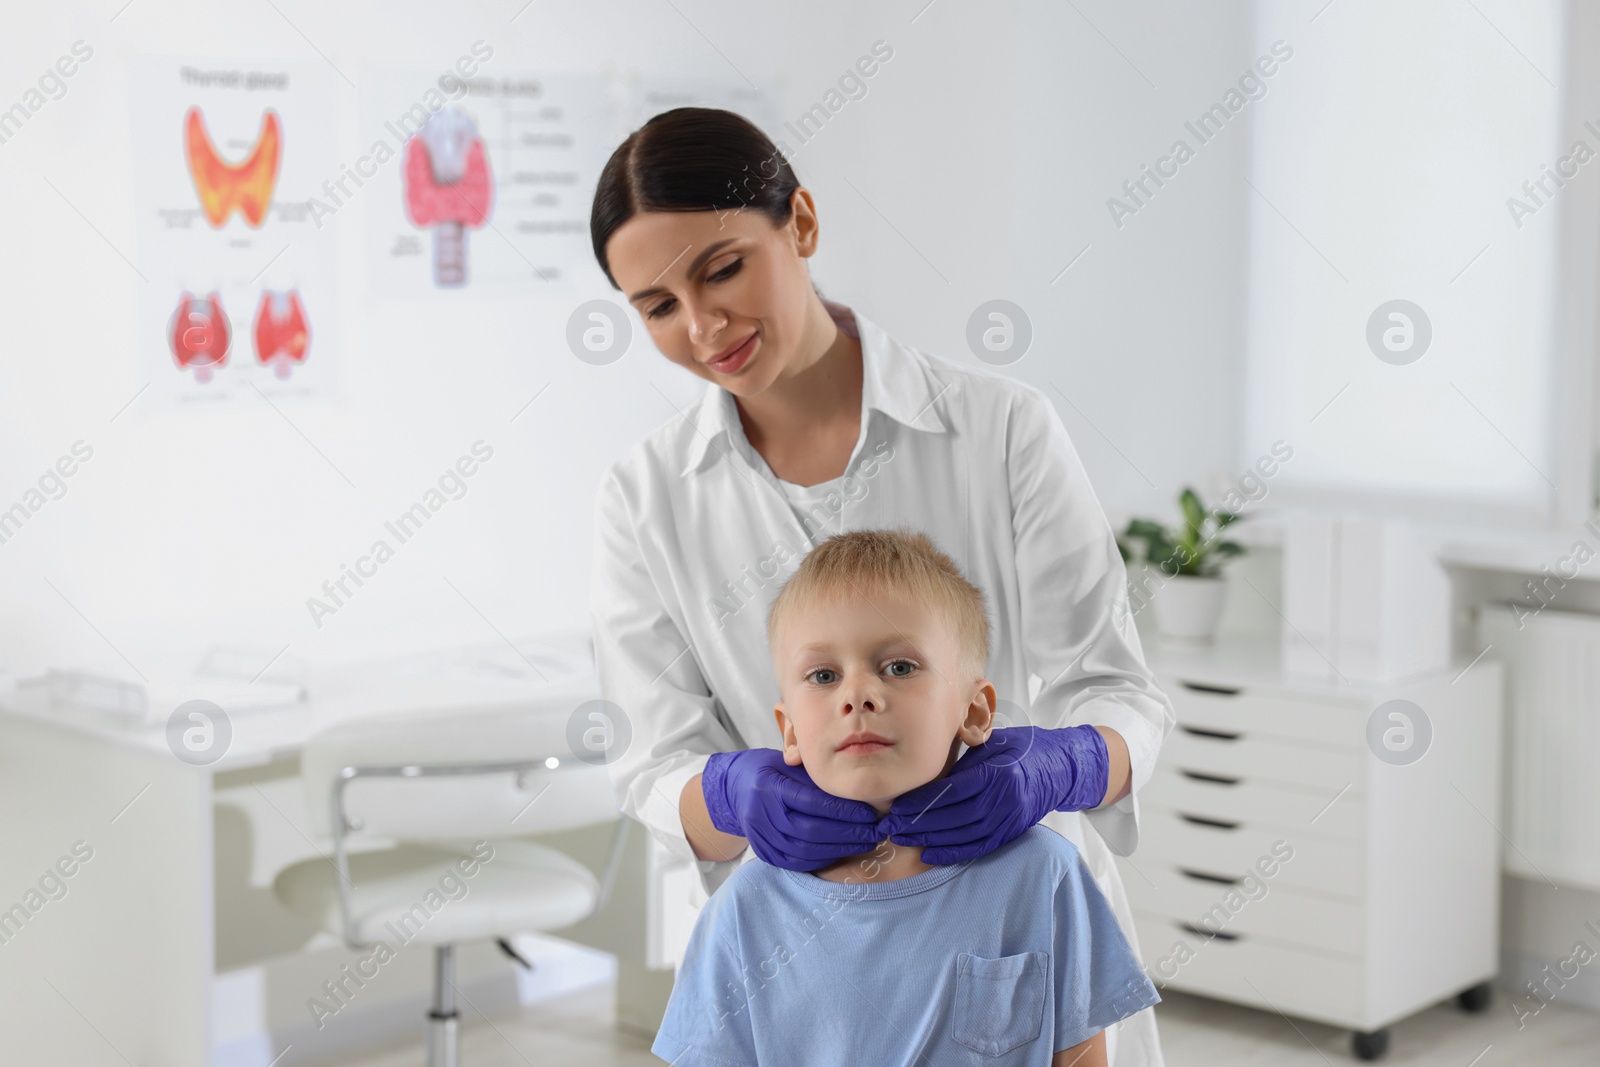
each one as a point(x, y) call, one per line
point(897, 561)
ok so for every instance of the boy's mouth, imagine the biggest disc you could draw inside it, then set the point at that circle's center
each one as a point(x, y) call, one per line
point(863, 743)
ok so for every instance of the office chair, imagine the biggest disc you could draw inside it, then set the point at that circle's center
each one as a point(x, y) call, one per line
point(412, 803)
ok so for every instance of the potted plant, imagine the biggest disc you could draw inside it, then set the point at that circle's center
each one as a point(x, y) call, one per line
point(1189, 560)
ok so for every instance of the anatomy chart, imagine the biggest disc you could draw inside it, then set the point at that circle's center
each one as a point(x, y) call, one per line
point(478, 182)
point(240, 298)
point(651, 94)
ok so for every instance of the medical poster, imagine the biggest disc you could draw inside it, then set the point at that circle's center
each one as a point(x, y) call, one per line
point(480, 180)
point(649, 95)
point(240, 294)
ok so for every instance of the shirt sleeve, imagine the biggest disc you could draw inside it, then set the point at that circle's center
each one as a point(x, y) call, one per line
point(647, 668)
point(707, 1021)
point(1077, 628)
point(1098, 978)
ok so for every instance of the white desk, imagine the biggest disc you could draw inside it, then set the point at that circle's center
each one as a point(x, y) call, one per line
point(168, 947)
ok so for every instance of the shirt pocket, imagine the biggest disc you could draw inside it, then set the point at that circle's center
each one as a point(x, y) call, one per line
point(999, 1003)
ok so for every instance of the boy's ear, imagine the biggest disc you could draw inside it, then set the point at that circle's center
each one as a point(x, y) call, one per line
point(791, 746)
point(975, 728)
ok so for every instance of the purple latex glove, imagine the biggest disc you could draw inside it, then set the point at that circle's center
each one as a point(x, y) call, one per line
point(788, 821)
point(999, 789)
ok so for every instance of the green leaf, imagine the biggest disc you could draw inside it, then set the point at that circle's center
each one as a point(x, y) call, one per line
point(1161, 552)
point(1186, 549)
point(1194, 514)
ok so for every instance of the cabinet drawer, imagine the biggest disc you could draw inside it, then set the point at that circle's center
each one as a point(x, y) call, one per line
point(1266, 803)
point(1298, 981)
point(1251, 907)
point(1258, 757)
point(1318, 863)
point(1286, 715)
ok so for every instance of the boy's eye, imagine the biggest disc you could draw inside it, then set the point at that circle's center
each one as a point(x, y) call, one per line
point(827, 675)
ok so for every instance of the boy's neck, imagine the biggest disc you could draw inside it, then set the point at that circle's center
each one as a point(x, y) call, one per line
point(887, 863)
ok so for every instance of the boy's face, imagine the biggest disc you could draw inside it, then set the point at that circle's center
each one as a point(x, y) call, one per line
point(886, 666)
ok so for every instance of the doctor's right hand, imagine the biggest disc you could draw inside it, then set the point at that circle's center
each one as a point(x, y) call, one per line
point(788, 821)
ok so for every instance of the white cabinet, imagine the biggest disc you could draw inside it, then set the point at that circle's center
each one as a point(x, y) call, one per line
point(1283, 864)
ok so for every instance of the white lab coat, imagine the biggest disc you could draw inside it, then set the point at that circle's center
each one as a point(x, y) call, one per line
point(694, 537)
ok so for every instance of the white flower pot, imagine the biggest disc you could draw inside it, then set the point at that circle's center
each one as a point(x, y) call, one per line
point(1188, 608)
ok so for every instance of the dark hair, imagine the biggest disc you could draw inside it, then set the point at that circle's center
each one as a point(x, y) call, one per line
point(690, 159)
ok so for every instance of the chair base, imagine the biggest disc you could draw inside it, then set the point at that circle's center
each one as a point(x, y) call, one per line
point(443, 1043)
point(442, 1040)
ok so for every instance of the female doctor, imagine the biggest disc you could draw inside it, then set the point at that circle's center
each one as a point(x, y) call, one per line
point(815, 421)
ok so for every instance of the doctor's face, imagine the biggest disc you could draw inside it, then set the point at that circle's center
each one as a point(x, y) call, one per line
point(884, 666)
point(723, 293)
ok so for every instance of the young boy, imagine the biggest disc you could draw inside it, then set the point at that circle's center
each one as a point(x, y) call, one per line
point(879, 645)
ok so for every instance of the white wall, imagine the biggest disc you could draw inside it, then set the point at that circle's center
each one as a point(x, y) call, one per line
point(1140, 342)
point(190, 528)
point(1404, 133)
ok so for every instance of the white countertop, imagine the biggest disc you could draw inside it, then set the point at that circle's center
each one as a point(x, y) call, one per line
point(1249, 660)
point(462, 679)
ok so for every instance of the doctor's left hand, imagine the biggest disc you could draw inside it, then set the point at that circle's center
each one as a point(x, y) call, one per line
point(787, 819)
point(998, 789)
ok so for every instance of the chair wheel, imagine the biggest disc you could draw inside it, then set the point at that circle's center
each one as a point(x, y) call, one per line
point(1371, 1046)
point(1475, 999)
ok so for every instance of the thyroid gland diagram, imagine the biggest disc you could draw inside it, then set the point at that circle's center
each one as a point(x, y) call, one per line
point(447, 186)
point(199, 335)
point(222, 187)
point(282, 335)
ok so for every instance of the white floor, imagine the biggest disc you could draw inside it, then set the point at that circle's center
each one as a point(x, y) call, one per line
point(1197, 1031)
point(575, 1031)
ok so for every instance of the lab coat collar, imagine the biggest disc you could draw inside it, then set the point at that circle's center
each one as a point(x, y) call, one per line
point(894, 380)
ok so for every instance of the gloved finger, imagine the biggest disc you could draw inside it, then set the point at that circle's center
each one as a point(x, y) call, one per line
point(803, 795)
point(773, 848)
point(941, 837)
point(938, 857)
point(1011, 742)
point(848, 852)
point(982, 846)
point(941, 792)
point(956, 850)
point(969, 792)
point(822, 829)
point(782, 835)
point(807, 837)
point(781, 850)
point(946, 824)
point(968, 778)
point(976, 809)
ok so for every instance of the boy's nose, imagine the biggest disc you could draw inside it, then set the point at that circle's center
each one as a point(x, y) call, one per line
point(861, 692)
point(861, 697)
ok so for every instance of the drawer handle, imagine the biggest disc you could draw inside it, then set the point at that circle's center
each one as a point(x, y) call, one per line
point(1202, 876)
point(1201, 731)
point(1201, 776)
point(1220, 690)
point(1201, 820)
point(1201, 931)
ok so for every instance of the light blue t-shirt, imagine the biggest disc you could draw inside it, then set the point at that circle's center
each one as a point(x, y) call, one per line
point(1000, 961)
